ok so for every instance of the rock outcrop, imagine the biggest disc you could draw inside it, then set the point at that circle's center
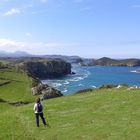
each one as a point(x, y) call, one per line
point(51, 68)
point(138, 70)
point(46, 91)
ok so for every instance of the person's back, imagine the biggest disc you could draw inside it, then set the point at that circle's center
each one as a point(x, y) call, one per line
point(38, 110)
point(38, 107)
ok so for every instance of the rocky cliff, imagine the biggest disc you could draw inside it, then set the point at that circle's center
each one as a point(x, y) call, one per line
point(43, 69)
point(51, 68)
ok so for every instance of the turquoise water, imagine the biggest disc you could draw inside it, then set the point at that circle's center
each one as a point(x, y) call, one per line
point(96, 76)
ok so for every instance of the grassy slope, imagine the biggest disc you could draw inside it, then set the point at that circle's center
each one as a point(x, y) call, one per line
point(19, 89)
point(99, 115)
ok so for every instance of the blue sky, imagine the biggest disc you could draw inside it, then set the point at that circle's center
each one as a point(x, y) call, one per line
point(88, 28)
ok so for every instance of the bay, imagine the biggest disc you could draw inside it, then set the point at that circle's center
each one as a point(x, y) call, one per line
point(94, 77)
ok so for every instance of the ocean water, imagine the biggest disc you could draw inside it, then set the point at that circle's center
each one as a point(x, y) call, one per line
point(96, 76)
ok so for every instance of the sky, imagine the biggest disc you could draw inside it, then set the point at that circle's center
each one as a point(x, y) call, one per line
point(88, 28)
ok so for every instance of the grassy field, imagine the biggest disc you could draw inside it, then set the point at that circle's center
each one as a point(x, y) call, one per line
point(106, 114)
point(99, 115)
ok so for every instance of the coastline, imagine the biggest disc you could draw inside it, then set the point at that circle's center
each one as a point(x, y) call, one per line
point(96, 76)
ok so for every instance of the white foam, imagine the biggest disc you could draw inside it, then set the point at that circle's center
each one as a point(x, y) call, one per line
point(80, 85)
point(56, 84)
point(94, 87)
point(66, 83)
point(134, 71)
point(80, 78)
point(64, 91)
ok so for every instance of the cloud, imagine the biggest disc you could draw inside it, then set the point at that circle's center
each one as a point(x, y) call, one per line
point(12, 11)
point(16, 11)
point(36, 47)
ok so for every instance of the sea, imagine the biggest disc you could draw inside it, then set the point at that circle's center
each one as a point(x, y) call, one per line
point(94, 77)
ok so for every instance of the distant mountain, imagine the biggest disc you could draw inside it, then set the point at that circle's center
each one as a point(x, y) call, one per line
point(14, 54)
point(105, 61)
point(70, 59)
point(20, 54)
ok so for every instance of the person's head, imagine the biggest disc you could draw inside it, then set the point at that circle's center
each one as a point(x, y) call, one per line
point(37, 100)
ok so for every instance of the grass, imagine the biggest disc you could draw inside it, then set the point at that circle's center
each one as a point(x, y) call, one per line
point(106, 114)
point(19, 88)
point(98, 115)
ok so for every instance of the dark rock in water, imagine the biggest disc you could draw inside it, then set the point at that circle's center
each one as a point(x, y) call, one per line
point(138, 70)
point(46, 69)
point(46, 91)
point(84, 90)
point(73, 73)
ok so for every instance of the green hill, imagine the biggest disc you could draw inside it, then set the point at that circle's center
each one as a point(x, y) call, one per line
point(105, 114)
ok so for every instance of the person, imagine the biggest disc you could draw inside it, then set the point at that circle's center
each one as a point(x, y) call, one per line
point(38, 110)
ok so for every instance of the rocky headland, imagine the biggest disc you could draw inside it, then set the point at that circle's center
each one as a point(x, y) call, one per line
point(112, 62)
point(50, 68)
point(46, 69)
